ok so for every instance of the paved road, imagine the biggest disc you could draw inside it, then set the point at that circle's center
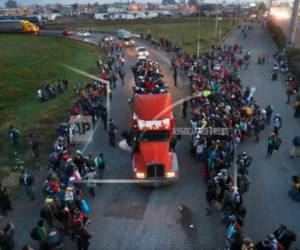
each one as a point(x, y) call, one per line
point(126, 216)
point(267, 201)
point(284, 24)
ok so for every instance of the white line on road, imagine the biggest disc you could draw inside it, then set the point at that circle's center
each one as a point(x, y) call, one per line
point(118, 181)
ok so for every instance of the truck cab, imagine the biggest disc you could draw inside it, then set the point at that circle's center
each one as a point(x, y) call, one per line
point(152, 125)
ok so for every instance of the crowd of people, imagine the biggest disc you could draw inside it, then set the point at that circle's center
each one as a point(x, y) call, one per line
point(224, 114)
point(65, 210)
point(51, 90)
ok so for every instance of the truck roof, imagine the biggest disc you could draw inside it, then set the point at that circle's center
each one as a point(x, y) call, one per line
point(153, 106)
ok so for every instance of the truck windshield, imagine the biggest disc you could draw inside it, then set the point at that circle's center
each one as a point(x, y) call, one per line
point(157, 135)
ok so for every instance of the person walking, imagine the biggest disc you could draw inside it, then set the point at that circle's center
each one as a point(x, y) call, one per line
point(65, 83)
point(47, 212)
point(112, 130)
point(100, 164)
point(34, 143)
point(39, 233)
point(257, 126)
point(175, 76)
point(184, 108)
point(82, 237)
point(210, 195)
point(272, 140)
point(5, 204)
point(289, 93)
point(277, 123)
point(104, 117)
point(6, 237)
point(269, 111)
point(27, 180)
point(90, 176)
point(14, 134)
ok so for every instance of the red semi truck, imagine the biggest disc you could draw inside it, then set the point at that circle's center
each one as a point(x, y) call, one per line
point(152, 125)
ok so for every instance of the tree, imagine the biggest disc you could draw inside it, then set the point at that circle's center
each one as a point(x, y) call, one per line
point(262, 7)
point(75, 6)
point(11, 4)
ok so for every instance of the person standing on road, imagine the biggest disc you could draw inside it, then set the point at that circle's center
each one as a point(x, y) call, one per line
point(5, 204)
point(27, 180)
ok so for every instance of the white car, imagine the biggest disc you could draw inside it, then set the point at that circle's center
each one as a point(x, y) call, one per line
point(141, 51)
point(142, 59)
point(84, 34)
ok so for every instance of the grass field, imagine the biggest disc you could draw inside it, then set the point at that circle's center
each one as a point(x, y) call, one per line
point(176, 29)
point(26, 63)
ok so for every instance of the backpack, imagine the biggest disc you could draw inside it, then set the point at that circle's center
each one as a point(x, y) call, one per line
point(34, 234)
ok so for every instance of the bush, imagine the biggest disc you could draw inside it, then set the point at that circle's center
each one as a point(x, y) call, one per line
point(277, 34)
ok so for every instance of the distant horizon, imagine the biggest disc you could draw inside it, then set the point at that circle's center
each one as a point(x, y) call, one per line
point(68, 2)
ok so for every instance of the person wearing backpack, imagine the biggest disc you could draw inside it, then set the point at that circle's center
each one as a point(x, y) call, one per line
point(100, 165)
point(27, 180)
point(272, 140)
point(39, 233)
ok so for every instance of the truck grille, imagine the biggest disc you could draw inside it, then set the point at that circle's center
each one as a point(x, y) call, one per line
point(155, 170)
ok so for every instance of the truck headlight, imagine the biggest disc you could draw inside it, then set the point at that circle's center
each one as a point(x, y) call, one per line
point(140, 175)
point(171, 174)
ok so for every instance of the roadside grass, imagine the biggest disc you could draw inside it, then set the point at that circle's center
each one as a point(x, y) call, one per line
point(175, 29)
point(26, 63)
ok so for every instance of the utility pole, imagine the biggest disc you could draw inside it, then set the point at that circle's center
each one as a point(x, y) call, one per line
point(199, 23)
point(217, 17)
point(293, 24)
point(270, 7)
point(221, 19)
point(198, 43)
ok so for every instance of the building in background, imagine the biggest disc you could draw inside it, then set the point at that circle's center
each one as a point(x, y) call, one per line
point(11, 4)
